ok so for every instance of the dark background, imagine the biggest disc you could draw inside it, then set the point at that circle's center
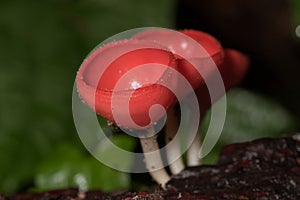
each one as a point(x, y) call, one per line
point(262, 29)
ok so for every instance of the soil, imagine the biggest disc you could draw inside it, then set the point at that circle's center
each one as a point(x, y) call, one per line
point(264, 169)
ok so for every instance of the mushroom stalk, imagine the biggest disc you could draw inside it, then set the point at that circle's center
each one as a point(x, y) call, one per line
point(173, 152)
point(194, 151)
point(153, 159)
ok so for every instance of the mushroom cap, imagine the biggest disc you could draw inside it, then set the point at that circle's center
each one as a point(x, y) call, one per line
point(122, 80)
point(232, 71)
point(209, 43)
point(195, 51)
point(234, 68)
point(205, 65)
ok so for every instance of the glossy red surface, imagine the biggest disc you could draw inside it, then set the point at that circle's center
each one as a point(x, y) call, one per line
point(232, 71)
point(196, 52)
point(138, 67)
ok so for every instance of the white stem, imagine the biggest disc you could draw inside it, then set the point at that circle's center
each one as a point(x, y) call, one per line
point(173, 151)
point(193, 153)
point(153, 160)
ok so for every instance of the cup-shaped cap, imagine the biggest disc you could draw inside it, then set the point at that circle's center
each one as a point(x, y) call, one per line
point(121, 81)
point(196, 63)
point(197, 53)
point(232, 71)
point(234, 67)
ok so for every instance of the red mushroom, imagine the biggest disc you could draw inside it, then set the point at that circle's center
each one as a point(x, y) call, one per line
point(192, 58)
point(232, 69)
point(231, 64)
point(106, 83)
point(113, 84)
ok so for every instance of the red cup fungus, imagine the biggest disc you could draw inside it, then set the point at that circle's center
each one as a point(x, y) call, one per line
point(100, 72)
point(232, 66)
point(97, 83)
point(130, 73)
point(195, 52)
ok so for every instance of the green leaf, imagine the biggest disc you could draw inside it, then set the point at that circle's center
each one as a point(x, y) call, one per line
point(66, 166)
point(116, 151)
point(295, 6)
point(42, 45)
point(250, 116)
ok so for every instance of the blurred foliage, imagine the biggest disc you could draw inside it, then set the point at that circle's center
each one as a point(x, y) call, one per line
point(295, 5)
point(42, 46)
point(66, 167)
point(250, 116)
